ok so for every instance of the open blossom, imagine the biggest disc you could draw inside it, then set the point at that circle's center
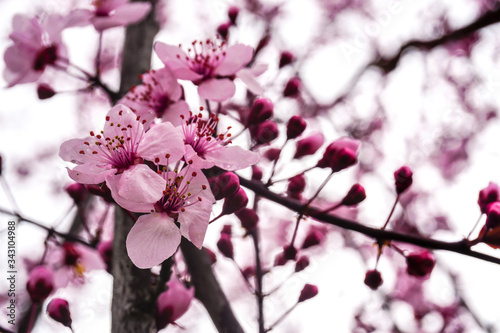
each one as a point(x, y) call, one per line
point(205, 150)
point(212, 67)
point(116, 154)
point(116, 13)
point(159, 96)
point(37, 44)
point(186, 199)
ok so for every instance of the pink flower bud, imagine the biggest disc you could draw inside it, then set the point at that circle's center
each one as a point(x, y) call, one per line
point(296, 186)
point(248, 218)
point(40, 283)
point(292, 87)
point(44, 91)
point(280, 260)
point(301, 264)
point(493, 215)
point(58, 309)
point(223, 30)
point(355, 195)
point(488, 195)
point(314, 237)
point(224, 185)
point(403, 178)
point(295, 126)
point(105, 250)
point(227, 229)
point(225, 246)
point(420, 264)
point(256, 173)
point(286, 58)
point(261, 110)
point(289, 252)
point(71, 254)
point(211, 255)
point(265, 132)
point(78, 192)
point(309, 145)
point(234, 203)
point(340, 154)
point(232, 13)
point(373, 279)
point(172, 303)
point(272, 154)
point(309, 291)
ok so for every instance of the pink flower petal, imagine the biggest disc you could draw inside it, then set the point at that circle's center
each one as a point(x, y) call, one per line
point(105, 22)
point(137, 189)
point(160, 140)
point(246, 75)
point(168, 83)
point(174, 112)
point(120, 116)
point(132, 12)
point(78, 18)
point(237, 56)
point(198, 162)
point(89, 173)
point(174, 58)
point(232, 158)
point(217, 89)
point(194, 221)
point(177, 298)
point(152, 239)
point(70, 151)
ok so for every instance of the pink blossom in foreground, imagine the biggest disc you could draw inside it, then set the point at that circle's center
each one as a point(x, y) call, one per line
point(37, 44)
point(116, 155)
point(205, 150)
point(173, 303)
point(159, 96)
point(117, 13)
point(186, 199)
point(212, 67)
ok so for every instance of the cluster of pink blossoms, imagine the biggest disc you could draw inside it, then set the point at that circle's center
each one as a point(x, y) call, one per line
point(176, 192)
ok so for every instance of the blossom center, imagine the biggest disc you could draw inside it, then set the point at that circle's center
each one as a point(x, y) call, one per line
point(44, 57)
point(204, 57)
point(201, 134)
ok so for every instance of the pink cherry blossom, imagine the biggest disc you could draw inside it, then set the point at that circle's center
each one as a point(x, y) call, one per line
point(212, 67)
point(186, 199)
point(173, 303)
point(159, 96)
point(117, 13)
point(37, 44)
point(116, 154)
point(205, 150)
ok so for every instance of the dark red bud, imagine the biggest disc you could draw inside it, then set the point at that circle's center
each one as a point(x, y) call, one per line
point(40, 283)
point(296, 186)
point(235, 203)
point(314, 237)
point(105, 250)
point(309, 145)
point(292, 87)
point(227, 229)
point(340, 154)
point(289, 252)
point(248, 218)
point(211, 255)
point(286, 58)
point(223, 29)
point(272, 154)
point(248, 272)
point(488, 195)
point(355, 195)
point(301, 264)
point(225, 246)
point(256, 173)
point(373, 279)
point(261, 110)
point(420, 264)
point(266, 132)
point(403, 178)
point(280, 260)
point(295, 127)
point(224, 185)
point(44, 91)
point(232, 13)
point(58, 309)
point(493, 215)
point(309, 291)
point(78, 192)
